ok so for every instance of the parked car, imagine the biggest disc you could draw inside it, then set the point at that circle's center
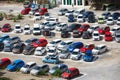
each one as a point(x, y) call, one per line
point(115, 15)
point(27, 4)
point(86, 35)
point(15, 65)
point(60, 26)
point(32, 11)
point(93, 28)
point(87, 47)
point(18, 48)
point(75, 45)
point(42, 11)
point(118, 21)
point(39, 68)
point(88, 57)
point(1, 46)
point(76, 34)
point(64, 44)
point(63, 54)
point(87, 13)
point(28, 50)
point(91, 18)
point(27, 29)
point(46, 15)
point(52, 20)
point(4, 62)
point(83, 28)
point(80, 18)
point(69, 12)
point(62, 11)
point(37, 16)
point(30, 41)
point(18, 28)
point(71, 18)
point(96, 36)
point(52, 51)
point(51, 59)
point(4, 37)
point(110, 21)
point(99, 49)
point(25, 11)
point(101, 20)
point(76, 54)
point(114, 29)
point(43, 24)
point(61, 67)
point(8, 47)
point(28, 67)
point(50, 26)
point(70, 73)
point(106, 15)
point(108, 36)
point(78, 11)
point(53, 43)
point(65, 34)
point(102, 30)
point(39, 51)
point(36, 29)
point(117, 36)
point(6, 28)
point(42, 42)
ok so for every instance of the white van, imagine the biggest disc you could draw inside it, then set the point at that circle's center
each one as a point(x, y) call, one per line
point(36, 29)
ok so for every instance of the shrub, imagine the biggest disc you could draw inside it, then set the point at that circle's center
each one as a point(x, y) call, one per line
point(4, 78)
point(42, 73)
point(19, 16)
point(57, 73)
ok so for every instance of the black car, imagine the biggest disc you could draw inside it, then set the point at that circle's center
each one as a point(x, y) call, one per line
point(87, 13)
point(18, 48)
point(76, 34)
point(106, 14)
point(72, 27)
point(91, 18)
point(115, 15)
point(86, 35)
point(65, 34)
point(1, 46)
point(62, 11)
point(28, 50)
point(29, 41)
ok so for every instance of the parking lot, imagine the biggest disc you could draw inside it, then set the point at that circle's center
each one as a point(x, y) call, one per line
point(106, 67)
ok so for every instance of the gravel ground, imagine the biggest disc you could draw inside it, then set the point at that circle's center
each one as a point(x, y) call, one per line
point(106, 67)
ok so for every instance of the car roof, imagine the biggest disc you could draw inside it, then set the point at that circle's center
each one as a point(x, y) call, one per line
point(57, 40)
point(101, 45)
point(96, 31)
point(39, 48)
point(18, 60)
point(27, 26)
point(52, 48)
point(76, 50)
point(72, 69)
point(36, 25)
point(4, 59)
point(30, 63)
point(17, 24)
point(115, 27)
point(110, 17)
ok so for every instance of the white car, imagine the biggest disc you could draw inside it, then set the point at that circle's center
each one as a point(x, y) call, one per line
point(28, 67)
point(96, 36)
point(92, 28)
point(39, 68)
point(39, 51)
point(18, 28)
point(110, 21)
point(50, 26)
point(27, 29)
point(75, 55)
point(117, 36)
point(52, 51)
point(64, 44)
point(53, 43)
point(43, 24)
point(64, 54)
point(118, 21)
point(70, 12)
point(32, 12)
point(79, 11)
point(114, 29)
point(80, 18)
point(36, 29)
point(46, 16)
point(60, 26)
point(99, 49)
point(37, 16)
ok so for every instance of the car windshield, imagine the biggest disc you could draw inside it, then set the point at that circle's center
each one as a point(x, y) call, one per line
point(97, 48)
point(37, 15)
point(63, 52)
point(17, 27)
point(107, 35)
point(113, 30)
point(5, 26)
point(26, 28)
point(17, 47)
point(50, 25)
point(52, 42)
point(36, 28)
point(118, 19)
point(38, 42)
point(72, 46)
point(69, 12)
point(38, 50)
point(110, 19)
point(96, 34)
point(63, 43)
point(75, 53)
point(118, 36)
point(55, 67)
point(37, 67)
point(68, 71)
point(28, 41)
point(80, 16)
point(91, 27)
point(46, 14)
point(26, 66)
point(13, 63)
point(51, 51)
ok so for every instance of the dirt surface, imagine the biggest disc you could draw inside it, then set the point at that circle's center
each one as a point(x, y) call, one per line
point(106, 67)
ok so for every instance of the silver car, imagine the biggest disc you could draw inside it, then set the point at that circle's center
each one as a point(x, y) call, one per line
point(64, 54)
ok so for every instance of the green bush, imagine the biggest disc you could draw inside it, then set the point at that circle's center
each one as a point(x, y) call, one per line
point(42, 72)
point(19, 16)
point(4, 78)
point(57, 73)
point(19, 0)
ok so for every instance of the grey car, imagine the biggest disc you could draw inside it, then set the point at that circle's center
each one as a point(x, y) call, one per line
point(64, 54)
point(39, 68)
point(28, 50)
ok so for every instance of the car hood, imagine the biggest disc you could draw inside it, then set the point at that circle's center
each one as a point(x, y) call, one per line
point(24, 69)
point(65, 74)
point(4, 29)
point(33, 71)
point(10, 67)
point(51, 71)
point(94, 51)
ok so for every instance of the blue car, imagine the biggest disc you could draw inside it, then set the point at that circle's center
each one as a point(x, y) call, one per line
point(4, 37)
point(87, 13)
point(115, 15)
point(106, 15)
point(71, 18)
point(51, 59)
point(74, 45)
point(88, 57)
point(15, 65)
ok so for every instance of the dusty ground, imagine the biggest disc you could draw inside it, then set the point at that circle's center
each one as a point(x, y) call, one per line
point(107, 67)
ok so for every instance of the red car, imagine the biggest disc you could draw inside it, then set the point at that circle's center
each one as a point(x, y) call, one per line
point(25, 11)
point(70, 73)
point(42, 11)
point(6, 28)
point(4, 62)
point(40, 43)
point(103, 30)
point(87, 47)
point(108, 36)
point(83, 27)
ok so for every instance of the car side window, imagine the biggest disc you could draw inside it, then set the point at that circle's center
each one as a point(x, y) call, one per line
point(32, 65)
